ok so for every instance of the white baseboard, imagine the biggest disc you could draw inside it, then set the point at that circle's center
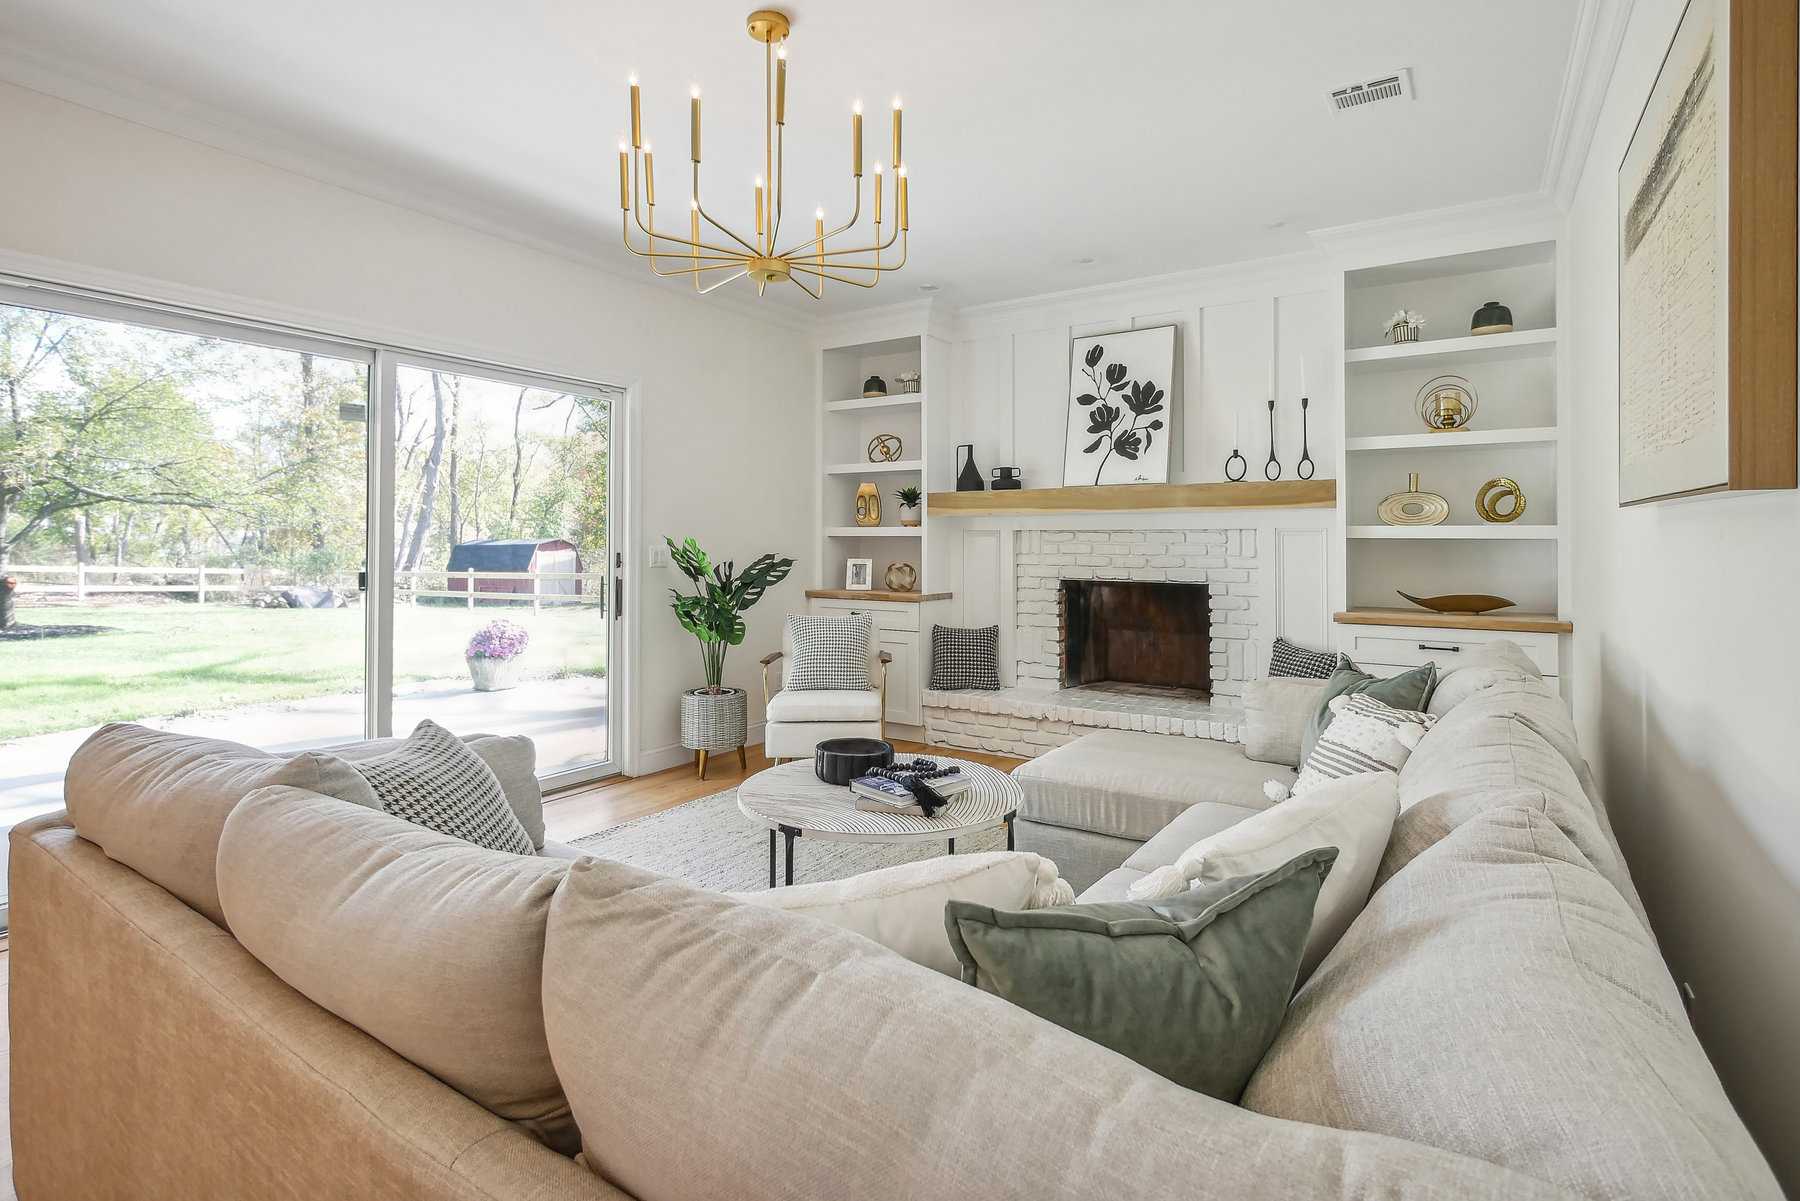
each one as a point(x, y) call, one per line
point(661, 758)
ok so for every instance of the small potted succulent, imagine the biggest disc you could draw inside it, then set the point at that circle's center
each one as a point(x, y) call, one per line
point(495, 655)
point(909, 499)
point(714, 717)
point(1403, 326)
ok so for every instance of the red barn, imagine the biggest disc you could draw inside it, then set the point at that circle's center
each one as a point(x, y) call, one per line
point(516, 554)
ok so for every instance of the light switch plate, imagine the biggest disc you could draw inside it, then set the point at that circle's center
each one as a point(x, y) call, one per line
point(659, 555)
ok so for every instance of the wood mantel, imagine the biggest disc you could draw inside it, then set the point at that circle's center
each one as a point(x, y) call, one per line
point(1140, 498)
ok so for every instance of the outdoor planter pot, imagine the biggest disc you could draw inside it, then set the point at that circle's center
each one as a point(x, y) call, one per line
point(495, 675)
point(714, 721)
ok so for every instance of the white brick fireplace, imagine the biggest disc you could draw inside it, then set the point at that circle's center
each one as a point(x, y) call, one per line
point(1265, 576)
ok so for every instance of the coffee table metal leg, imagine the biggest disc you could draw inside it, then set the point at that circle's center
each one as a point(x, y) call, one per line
point(953, 846)
point(1009, 828)
point(772, 835)
point(791, 833)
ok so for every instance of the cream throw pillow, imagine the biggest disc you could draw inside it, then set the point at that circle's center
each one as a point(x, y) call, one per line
point(1355, 814)
point(902, 907)
point(1276, 713)
point(428, 943)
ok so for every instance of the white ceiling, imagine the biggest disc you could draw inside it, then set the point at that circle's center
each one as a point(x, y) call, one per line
point(1148, 135)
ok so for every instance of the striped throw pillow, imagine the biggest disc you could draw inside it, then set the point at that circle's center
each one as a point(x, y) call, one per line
point(1366, 735)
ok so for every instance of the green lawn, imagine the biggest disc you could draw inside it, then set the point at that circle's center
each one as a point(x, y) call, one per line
point(172, 659)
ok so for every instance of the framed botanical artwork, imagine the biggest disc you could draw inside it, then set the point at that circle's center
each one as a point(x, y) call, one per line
point(1120, 408)
point(859, 575)
point(1707, 275)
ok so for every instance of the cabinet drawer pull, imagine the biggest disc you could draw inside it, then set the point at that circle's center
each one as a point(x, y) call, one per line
point(1426, 646)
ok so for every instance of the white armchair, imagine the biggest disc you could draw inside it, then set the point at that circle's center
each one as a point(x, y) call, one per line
point(798, 721)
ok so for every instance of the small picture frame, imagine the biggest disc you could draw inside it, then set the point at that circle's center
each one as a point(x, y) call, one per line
point(859, 575)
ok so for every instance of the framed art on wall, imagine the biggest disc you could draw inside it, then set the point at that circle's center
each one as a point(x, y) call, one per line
point(1120, 408)
point(1707, 276)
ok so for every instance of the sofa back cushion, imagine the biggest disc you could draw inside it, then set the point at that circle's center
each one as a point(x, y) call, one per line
point(156, 801)
point(428, 943)
point(717, 1050)
point(1498, 999)
point(1491, 752)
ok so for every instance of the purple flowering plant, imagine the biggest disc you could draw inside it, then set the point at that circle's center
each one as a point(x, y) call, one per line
point(499, 639)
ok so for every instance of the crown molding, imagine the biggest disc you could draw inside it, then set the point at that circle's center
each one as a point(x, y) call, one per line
point(131, 100)
point(1599, 34)
point(1504, 221)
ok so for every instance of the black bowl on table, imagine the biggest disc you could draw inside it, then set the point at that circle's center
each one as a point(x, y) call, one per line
point(841, 760)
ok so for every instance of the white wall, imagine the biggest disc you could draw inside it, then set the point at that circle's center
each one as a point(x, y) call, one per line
point(719, 395)
point(1688, 651)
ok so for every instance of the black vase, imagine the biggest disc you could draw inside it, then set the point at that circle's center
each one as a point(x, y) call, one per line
point(1006, 479)
point(968, 476)
point(1491, 318)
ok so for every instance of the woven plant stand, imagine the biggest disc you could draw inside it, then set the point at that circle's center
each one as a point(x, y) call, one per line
point(715, 722)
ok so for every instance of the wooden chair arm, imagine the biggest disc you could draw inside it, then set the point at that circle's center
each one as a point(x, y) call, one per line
point(768, 659)
point(886, 657)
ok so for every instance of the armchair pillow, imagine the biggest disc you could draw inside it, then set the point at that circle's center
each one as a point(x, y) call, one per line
point(965, 658)
point(902, 907)
point(1355, 814)
point(1193, 987)
point(828, 652)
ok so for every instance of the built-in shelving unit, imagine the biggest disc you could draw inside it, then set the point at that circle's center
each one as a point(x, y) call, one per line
point(1517, 433)
point(859, 404)
point(913, 465)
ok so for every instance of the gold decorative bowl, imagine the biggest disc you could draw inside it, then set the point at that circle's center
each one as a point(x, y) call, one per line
point(1461, 605)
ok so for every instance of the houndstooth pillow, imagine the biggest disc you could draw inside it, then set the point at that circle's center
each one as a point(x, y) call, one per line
point(965, 658)
point(829, 653)
point(1366, 735)
point(434, 780)
point(1287, 659)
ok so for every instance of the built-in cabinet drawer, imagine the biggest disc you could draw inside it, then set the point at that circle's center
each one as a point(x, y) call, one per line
point(1402, 647)
point(895, 616)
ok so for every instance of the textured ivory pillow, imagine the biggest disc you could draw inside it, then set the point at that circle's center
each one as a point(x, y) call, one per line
point(1367, 735)
point(156, 801)
point(1355, 815)
point(1408, 690)
point(428, 943)
point(902, 907)
point(1193, 986)
point(1276, 713)
point(511, 757)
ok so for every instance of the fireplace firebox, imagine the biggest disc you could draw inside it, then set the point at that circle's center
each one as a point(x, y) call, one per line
point(1132, 634)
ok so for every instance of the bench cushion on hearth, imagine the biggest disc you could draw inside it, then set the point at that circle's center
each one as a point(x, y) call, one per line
point(1130, 785)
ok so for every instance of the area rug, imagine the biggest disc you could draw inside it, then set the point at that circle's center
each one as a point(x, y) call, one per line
point(711, 843)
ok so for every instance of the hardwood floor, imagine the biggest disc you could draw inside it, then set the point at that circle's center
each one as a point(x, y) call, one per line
point(570, 814)
point(587, 809)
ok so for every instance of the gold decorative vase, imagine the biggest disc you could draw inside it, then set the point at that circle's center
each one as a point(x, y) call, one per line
point(1413, 507)
point(868, 505)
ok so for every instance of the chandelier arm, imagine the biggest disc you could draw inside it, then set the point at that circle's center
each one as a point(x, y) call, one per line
point(707, 217)
point(721, 283)
point(876, 268)
point(819, 295)
point(824, 275)
point(879, 246)
point(719, 260)
point(764, 242)
point(855, 213)
point(780, 185)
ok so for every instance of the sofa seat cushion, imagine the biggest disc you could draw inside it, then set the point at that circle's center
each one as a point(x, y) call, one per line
point(833, 704)
point(428, 943)
point(1486, 754)
point(718, 1051)
point(902, 907)
point(1113, 886)
point(1498, 999)
point(1130, 784)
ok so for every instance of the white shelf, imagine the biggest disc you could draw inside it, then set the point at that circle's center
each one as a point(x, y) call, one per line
point(1443, 351)
point(874, 531)
point(1536, 435)
point(871, 468)
point(874, 402)
point(1500, 532)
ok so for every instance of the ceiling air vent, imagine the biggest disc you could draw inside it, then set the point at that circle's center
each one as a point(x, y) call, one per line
point(1397, 86)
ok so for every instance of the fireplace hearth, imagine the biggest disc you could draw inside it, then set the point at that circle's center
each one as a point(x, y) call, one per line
point(1131, 635)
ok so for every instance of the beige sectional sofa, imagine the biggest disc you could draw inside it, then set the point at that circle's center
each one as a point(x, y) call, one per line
point(1496, 1023)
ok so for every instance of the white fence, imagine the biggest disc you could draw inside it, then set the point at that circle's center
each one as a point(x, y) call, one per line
point(204, 579)
point(545, 587)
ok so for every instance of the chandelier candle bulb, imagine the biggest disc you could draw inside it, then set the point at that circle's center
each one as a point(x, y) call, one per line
point(624, 179)
point(781, 88)
point(878, 193)
point(649, 177)
point(897, 159)
point(900, 201)
point(759, 205)
point(637, 117)
point(694, 123)
point(856, 138)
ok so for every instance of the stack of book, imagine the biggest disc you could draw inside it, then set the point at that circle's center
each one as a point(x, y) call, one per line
point(878, 794)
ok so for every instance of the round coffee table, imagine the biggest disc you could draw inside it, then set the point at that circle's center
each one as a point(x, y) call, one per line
point(792, 801)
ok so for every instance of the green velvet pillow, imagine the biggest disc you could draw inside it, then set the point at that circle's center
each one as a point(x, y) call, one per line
point(1193, 987)
point(1408, 690)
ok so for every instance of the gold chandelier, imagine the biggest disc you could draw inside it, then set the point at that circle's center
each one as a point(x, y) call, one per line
point(714, 263)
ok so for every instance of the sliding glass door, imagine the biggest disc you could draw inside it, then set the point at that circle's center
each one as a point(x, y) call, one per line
point(503, 564)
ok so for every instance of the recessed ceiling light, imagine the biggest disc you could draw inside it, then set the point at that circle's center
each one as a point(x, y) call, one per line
point(1085, 261)
point(928, 287)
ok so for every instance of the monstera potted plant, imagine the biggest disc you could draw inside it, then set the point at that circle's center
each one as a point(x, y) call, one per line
point(714, 717)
